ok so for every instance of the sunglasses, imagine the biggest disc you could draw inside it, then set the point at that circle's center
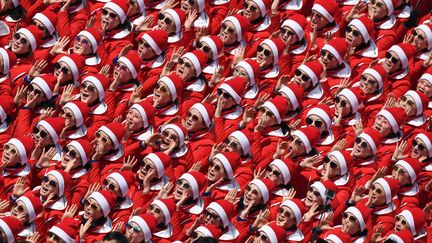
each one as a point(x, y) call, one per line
point(194, 235)
point(81, 40)
point(399, 219)
point(314, 192)
point(285, 31)
point(406, 100)
point(147, 167)
point(376, 190)
point(169, 135)
point(216, 167)
point(52, 184)
point(92, 205)
point(230, 29)
point(266, 112)
point(351, 218)
point(22, 40)
point(63, 69)
point(100, 137)
point(163, 89)
point(184, 184)
point(267, 53)
point(316, 15)
point(376, 3)
point(110, 14)
point(87, 85)
point(136, 229)
point(251, 7)
point(67, 114)
point(399, 170)
point(36, 91)
point(295, 140)
point(253, 191)
point(10, 148)
point(166, 19)
point(41, 132)
point(238, 72)
point(154, 209)
point(416, 34)
point(72, 153)
point(333, 164)
point(361, 143)
point(194, 117)
point(211, 215)
point(419, 145)
point(41, 27)
point(107, 184)
point(187, 64)
point(273, 171)
point(232, 144)
point(349, 29)
point(341, 102)
point(391, 58)
point(364, 79)
point(122, 67)
point(284, 212)
point(316, 123)
point(262, 236)
point(203, 47)
point(224, 95)
point(301, 75)
point(324, 53)
point(19, 207)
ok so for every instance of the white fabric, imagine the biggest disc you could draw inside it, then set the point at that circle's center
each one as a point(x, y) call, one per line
point(193, 183)
point(386, 187)
point(120, 181)
point(321, 189)
point(390, 7)
point(49, 129)
point(309, 72)
point(358, 216)
point(270, 233)
point(152, 43)
point(304, 139)
point(81, 151)
point(296, 210)
point(220, 211)
point(360, 26)
point(320, 9)
point(6, 62)
point(409, 217)
point(130, 66)
point(143, 225)
point(409, 169)
point(237, 26)
point(203, 230)
point(8, 232)
point(29, 205)
point(376, 75)
point(244, 141)
point(195, 62)
point(103, 203)
point(164, 209)
point(341, 159)
point(226, 164)
point(286, 173)
point(99, 87)
point(79, 119)
point(203, 111)
point(43, 85)
point(290, 95)
point(160, 169)
point(426, 141)
point(351, 97)
point(333, 51)
point(60, 180)
point(401, 54)
point(46, 22)
point(111, 135)
point(428, 33)
point(21, 149)
point(249, 71)
point(91, 38)
point(60, 233)
point(269, 105)
point(263, 189)
point(369, 140)
point(178, 130)
point(231, 91)
point(212, 46)
point(142, 112)
point(117, 9)
point(417, 100)
point(295, 27)
point(176, 18)
point(334, 238)
point(29, 36)
point(274, 49)
point(322, 114)
point(168, 82)
point(390, 118)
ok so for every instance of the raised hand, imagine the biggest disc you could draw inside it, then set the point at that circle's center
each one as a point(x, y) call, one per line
point(283, 80)
point(84, 228)
point(339, 145)
point(135, 97)
point(46, 156)
point(261, 218)
point(45, 113)
point(70, 211)
point(289, 195)
point(239, 56)
point(37, 68)
point(20, 187)
point(192, 15)
point(358, 128)
point(125, 50)
point(145, 24)
point(184, 197)
point(165, 190)
point(311, 213)
point(178, 52)
point(169, 5)
point(400, 150)
point(198, 221)
point(357, 194)
point(231, 196)
point(357, 11)
point(105, 70)
point(377, 234)
point(262, 98)
point(4, 204)
point(90, 23)
point(326, 220)
point(21, 93)
point(129, 163)
point(33, 238)
point(216, 148)
point(92, 188)
point(310, 162)
point(67, 94)
point(245, 212)
point(151, 141)
point(60, 45)
point(281, 149)
point(195, 167)
point(214, 185)
point(118, 227)
point(248, 116)
point(209, 98)
point(216, 77)
point(259, 173)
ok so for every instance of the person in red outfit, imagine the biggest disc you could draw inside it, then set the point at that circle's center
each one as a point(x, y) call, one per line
point(141, 227)
point(11, 226)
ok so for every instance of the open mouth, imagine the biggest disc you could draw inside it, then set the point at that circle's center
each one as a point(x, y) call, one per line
point(85, 95)
point(104, 23)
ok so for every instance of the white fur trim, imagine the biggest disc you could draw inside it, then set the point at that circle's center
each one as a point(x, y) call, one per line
point(103, 203)
point(417, 100)
point(291, 96)
point(360, 26)
point(100, 89)
point(304, 139)
point(231, 91)
point(320, 9)
point(46, 22)
point(152, 43)
point(81, 151)
point(130, 66)
point(60, 180)
point(141, 5)
point(212, 46)
point(60, 233)
point(202, 110)
point(8, 232)
point(49, 129)
point(15, 3)
point(29, 205)
point(396, 238)
point(270, 233)
point(91, 38)
point(376, 75)
point(286, 173)
point(333, 51)
point(322, 114)
point(3, 115)
point(351, 97)
point(409, 169)
point(428, 33)
point(341, 159)
point(142, 112)
point(29, 36)
point(386, 114)
point(309, 72)
point(194, 61)
point(111, 135)
point(43, 85)
point(263, 189)
point(409, 217)
point(295, 27)
point(203, 230)
point(274, 49)
point(6, 62)
point(321, 189)
point(269, 105)
point(369, 140)
point(358, 215)
point(164, 209)
point(226, 164)
point(296, 210)
point(120, 181)
point(192, 181)
point(390, 7)
point(386, 187)
point(244, 141)
point(334, 238)
point(178, 130)
point(176, 18)
point(237, 26)
point(401, 54)
point(261, 6)
point(160, 169)
point(143, 225)
point(21, 149)
point(79, 120)
point(166, 80)
point(248, 69)
point(220, 211)
point(117, 9)
point(426, 141)
point(427, 77)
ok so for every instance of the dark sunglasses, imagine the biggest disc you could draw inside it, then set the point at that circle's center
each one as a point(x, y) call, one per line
point(262, 236)
point(211, 215)
point(324, 53)
point(10, 148)
point(409, 102)
point(83, 41)
point(22, 40)
point(284, 31)
point(171, 136)
point(31, 88)
point(99, 136)
point(340, 101)
point(72, 153)
point(316, 123)
point(205, 49)
point(231, 30)
point(136, 229)
point(315, 192)
point(145, 44)
point(41, 27)
point(110, 14)
point(420, 37)
point(366, 80)
point(374, 189)
point(391, 58)
point(251, 7)
point(216, 167)
point(399, 219)
point(155, 209)
point(109, 185)
point(274, 172)
point(41, 133)
point(249, 189)
point(296, 141)
point(163, 89)
point(183, 183)
point(147, 167)
point(191, 2)
point(267, 53)
point(284, 212)
point(194, 117)
point(92, 205)
point(349, 29)
point(90, 87)
point(360, 142)
point(123, 68)
point(224, 94)
point(63, 69)
point(399, 170)
point(166, 19)
point(333, 164)
point(20, 208)
point(301, 75)
point(351, 218)
point(266, 112)
point(232, 144)
point(187, 64)
point(420, 146)
point(52, 184)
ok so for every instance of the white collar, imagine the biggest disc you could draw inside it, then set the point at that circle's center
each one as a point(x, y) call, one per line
point(252, 92)
point(5, 77)
point(388, 24)
point(349, 2)
point(51, 42)
point(280, 192)
point(197, 86)
point(126, 203)
point(100, 109)
point(148, 132)
point(421, 234)
point(235, 50)
point(160, 184)
point(175, 38)
point(316, 93)
point(219, 2)
point(293, 5)
point(92, 61)
point(28, 231)
point(368, 162)
point(405, 13)
point(25, 171)
point(170, 111)
point(355, 119)
point(79, 173)
point(273, 73)
point(4, 126)
point(390, 208)
point(117, 155)
point(4, 28)
point(160, 5)
point(125, 32)
point(427, 167)
point(79, 133)
point(412, 191)
point(132, 88)
point(197, 208)
point(138, 20)
point(59, 151)
point(277, 133)
point(106, 227)
point(430, 104)
point(343, 180)
point(211, 68)
point(328, 139)
point(182, 151)
point(401, 75)
point(371, 51)
point(11, 20)
point(296, 236)
point(424, 56)
point(264, 25)
point(166, 233)
point(160, 60)
point(345, 72)
point(81, 6)
point(301, 48)
point(232, 184)
point(202, 20)
point(235, 114)
point(60, 204)
point(392, 140)
point(231, 234)
point(418, 121)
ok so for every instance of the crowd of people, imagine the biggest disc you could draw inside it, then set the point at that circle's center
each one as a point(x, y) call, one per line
point(215, 121)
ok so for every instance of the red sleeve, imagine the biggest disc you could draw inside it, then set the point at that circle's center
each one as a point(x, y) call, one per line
point(23, 126)
point(64, 27)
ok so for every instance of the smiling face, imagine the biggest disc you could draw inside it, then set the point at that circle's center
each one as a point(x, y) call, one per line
point(122, 72)
point(392, 62)
point(353, 36)
point(350, 224)
point(134, 121)
point(162, 95)
point(109, 19)
point(169, 136)
point(368, 84)
point(182, 187)
point(228, 33)
point(252, 195)
point(35, 91)
point(63, 72)
point(82, 46)
point(251, 11)
point(216, 171)
point(313, 196)
point(361, 149)
point(377, 195)
point(401, 223)
point(331, 167)
point(20, 44)
point(377, 9)
point(42, 137)
point(70, 153)
point(408, 104)
point(92, 210)
point(88, 93)
point(10, 155)
point(401, 174)
point(382, 125)
point(185, 69)
point(285, 217)
point(194, 121)
point(274, 174)
point(49, 186)
point(420, 39)
point(419, 149)
point(318, 21)
point(145, 51)
point(328, 59)
point(264, 55)
point(425, 87)
point(288, 35)
point(147, 167)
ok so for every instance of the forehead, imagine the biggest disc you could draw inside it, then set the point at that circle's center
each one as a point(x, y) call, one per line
point(109, 10)
point(149, 161)
point(92, 200)
point(233, 139)
point(51, 177)
point(409, 97)
point(162, 84)
point(253, 187)
point(103, 134)
point(195, 112)
point(315, 117)
point(353, 27)
point(378, 186)
point(170, 131)
point(265, 46)
point(229, 23)
point(167, 15)
point(369, 76)
point(40, 127)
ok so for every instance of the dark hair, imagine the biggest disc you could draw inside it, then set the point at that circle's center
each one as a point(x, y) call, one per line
point(117, 236)
point(205, 240)
point(15, 13)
